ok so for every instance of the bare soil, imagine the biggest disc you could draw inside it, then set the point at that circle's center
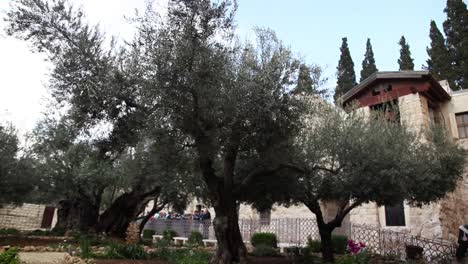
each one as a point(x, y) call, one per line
point(28, 241)
point(252, 260)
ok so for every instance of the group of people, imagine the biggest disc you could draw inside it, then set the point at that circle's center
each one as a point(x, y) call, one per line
point(197, 215)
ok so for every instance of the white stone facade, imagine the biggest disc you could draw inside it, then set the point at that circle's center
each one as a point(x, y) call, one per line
point(24, 217)
point(438, 220)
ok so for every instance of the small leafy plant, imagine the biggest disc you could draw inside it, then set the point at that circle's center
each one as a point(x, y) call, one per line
point(9, 231)
point(121, 251)
point(263, 250)
point(195, 239)
point(315, 246)
point(10, 257)
point(339, 244)
point(268, 239)
point(169, 234)
point(148, 233)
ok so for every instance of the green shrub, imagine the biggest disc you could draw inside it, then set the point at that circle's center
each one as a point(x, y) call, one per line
point(315, 246)
point(39, 232)
point(148, 233)
point(263, 250)
point(85, 247)
point(57, 231)
point(10, 257)
point(195, 238)
point(122, 251)
point(9, 231)
point(339, 244)
point(169, 234)
point(268, 239)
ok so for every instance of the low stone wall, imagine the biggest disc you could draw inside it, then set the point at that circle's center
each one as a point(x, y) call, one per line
point(25, 217)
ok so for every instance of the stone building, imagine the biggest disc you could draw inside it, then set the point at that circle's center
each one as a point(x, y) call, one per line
point(421, 100)
point(28, 216)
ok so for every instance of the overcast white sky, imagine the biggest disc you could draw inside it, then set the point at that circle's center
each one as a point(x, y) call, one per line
point(24, 75)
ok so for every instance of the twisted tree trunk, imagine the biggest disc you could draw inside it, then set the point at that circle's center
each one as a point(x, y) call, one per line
point(125, 209)
point(231, 248)
point(77, 214)
point(156, 208)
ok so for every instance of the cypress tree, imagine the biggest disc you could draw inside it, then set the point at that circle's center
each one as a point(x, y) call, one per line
point(305, 84)
point(368, 64)
point(346, 77)
point(439, 60)
point(405, 61)
point(455, 28)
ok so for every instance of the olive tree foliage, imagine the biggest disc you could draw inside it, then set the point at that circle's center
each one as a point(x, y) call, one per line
point(231, 102)
point(72, 173)
point(88, 78)
point(17, 178)
point(350, 159)
point(96, 86)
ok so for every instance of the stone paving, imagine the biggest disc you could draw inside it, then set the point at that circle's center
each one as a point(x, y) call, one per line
point(41, 257)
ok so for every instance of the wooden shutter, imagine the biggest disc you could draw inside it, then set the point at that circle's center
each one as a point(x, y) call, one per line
point(47, 217)
point(395, 215)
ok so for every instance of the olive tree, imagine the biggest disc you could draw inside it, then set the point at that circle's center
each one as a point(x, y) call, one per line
point(17, 171)
point(351, 159)
point(232, 103)
point(94, 86)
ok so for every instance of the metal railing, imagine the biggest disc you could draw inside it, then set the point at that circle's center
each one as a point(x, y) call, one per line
point(296, 231)
point(287, 230)
point(391, 243)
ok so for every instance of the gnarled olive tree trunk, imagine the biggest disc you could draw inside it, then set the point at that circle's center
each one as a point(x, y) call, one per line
point(125, 209)
point(231, 248)
point(79, 214)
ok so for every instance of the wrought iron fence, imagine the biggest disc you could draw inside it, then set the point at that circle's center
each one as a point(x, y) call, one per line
point(391, 243)
point(288, 230)
point(296, 231)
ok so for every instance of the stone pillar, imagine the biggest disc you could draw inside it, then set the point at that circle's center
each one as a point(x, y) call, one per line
point(414, 111)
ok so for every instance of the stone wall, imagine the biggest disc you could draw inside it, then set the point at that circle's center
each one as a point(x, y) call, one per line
point(25, 217)
point(365, 214)
point(414, 111)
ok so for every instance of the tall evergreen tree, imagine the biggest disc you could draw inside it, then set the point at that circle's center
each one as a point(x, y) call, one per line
point(405, 61)
point(345, 71)
point(439, 61)
point(368, 64)
point(455, 28)
point(309, 80)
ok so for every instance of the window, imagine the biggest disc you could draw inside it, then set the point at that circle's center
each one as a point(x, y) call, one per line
point(395, 215)
point(434, 115)
point(462, 124)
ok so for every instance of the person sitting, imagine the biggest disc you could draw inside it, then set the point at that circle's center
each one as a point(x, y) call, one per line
point(206, 215)
point(196, 215)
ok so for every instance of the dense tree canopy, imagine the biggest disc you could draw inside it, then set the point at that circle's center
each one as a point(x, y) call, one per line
point(346, 78)
point(368, 64)
point(183, 78)
point(405, 61)
point(351, 159)
point(309, 81)
point(94, 87)
point(455, 28)
point(439, 59)
point(17, 177)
